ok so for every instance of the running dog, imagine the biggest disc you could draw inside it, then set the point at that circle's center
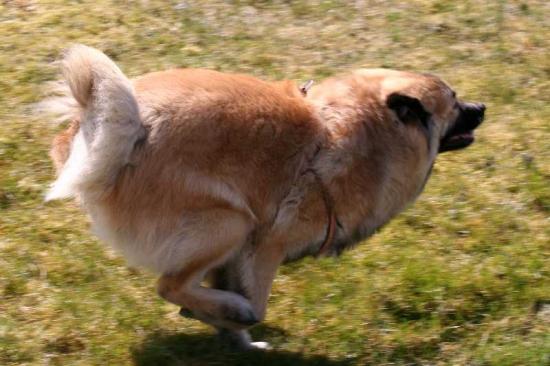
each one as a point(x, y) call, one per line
point(201, 175)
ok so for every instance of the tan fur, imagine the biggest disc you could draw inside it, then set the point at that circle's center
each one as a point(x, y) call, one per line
point(61, 146)
point(225, 176)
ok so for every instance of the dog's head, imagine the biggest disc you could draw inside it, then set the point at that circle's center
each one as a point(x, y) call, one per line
point(398, 122)
point(425, 102)
point(420, 110)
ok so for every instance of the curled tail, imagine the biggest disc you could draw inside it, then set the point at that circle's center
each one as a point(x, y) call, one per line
point(109, 124)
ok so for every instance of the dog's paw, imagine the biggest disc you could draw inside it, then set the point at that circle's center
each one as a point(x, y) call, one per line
point(264, 346)
point(235, 314)
point(242, 314)
point(239, 340)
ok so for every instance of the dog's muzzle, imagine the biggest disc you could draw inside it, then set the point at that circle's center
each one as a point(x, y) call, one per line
point(461, 134)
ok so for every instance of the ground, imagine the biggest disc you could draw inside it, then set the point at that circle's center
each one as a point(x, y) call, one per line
point(461, 277)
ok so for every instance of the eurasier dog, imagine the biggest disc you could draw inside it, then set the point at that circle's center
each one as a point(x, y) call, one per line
point(198, 174)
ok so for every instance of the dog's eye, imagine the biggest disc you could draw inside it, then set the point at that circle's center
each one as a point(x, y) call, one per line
point(453, 93)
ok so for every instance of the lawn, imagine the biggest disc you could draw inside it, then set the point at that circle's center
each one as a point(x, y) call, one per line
point(461, 278)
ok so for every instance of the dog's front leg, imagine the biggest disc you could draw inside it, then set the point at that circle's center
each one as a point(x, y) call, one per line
point(250, 275)
point(228, 277)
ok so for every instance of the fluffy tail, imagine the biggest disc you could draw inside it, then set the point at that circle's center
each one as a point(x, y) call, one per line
point(109, 124)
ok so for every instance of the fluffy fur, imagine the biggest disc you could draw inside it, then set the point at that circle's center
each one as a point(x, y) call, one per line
point(109, 125)
point(199, 174)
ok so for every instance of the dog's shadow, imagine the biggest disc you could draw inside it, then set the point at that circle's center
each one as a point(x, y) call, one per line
point(205, 349)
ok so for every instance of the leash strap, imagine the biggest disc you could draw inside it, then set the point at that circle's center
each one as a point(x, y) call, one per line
point(331, 218)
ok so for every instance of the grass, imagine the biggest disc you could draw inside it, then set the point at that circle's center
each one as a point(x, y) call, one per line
point(462, 277)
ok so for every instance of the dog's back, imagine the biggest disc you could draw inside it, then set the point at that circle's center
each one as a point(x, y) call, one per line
point(248, 133)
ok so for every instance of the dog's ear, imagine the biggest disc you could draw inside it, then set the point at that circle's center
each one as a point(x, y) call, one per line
point(407, 109)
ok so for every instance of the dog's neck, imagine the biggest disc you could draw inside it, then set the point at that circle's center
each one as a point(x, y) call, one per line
point(355, 171)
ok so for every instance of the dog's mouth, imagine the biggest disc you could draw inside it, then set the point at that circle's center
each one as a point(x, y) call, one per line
point(455, 142)
point(461, 135)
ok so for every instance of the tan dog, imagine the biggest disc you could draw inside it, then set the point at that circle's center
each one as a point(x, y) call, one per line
point(198, 174)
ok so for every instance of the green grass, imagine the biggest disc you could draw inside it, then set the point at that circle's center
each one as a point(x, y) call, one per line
point(462, 277)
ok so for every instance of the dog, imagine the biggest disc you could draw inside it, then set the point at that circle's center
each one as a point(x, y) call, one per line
point(201, 175)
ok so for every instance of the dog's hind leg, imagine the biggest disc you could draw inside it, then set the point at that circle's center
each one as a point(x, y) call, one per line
point(216, 236)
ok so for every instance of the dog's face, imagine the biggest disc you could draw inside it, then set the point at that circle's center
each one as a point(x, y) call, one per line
point(425, 102)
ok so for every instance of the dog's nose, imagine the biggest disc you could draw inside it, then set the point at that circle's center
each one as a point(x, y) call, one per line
point(473, 113)
point(480, 107)
point(476, 111)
